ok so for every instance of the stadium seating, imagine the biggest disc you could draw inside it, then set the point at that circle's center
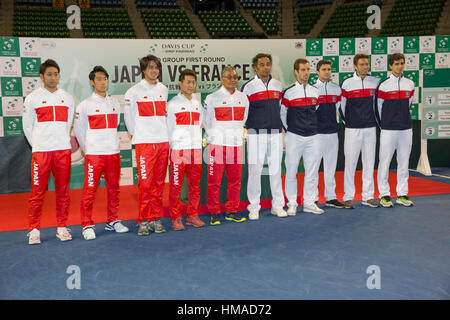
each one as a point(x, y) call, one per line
point(230, 22)
point(260, 4)
point(106, 23)
point(304, 3)
point(40, 22)
point(168, 24)
point(412, 17)
point(154, 3)
point(268, 20)
point(34, 2)
point(106, 3)
point(307, 18)
point(348, 20)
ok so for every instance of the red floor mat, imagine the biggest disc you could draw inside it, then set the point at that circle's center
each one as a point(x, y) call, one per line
point(13, 207)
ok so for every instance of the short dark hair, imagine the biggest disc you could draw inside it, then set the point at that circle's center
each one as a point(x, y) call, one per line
point(187, 72)
point(144, 61)
point(259, 56)
point(395, 57)
point(359, 56)
point(298, 62)
point(46, 64)
point(97, 69)
point(322, 62)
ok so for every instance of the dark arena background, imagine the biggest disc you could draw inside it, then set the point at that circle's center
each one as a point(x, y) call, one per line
point(399, 253)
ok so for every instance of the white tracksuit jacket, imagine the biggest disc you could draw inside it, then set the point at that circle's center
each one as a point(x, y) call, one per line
point(184, 120)
point(47, 119)
point(145, 112)
point(95, 125)
point(225, 117)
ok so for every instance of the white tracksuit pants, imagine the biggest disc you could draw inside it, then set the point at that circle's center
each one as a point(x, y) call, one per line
point(260, 146)
point(296, 147)
point(359, 141)
point(328, 145)
point(390, 141)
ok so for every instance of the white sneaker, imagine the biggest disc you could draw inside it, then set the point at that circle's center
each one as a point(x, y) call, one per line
point(292, 211)
point(116, 226)
point(313, 208)
point(253, 215)
point(280, 213)
point(88, 233)
point(34, 236)
point(63, 234)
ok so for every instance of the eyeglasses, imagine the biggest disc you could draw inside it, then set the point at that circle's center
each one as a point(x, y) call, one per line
point(232, 77)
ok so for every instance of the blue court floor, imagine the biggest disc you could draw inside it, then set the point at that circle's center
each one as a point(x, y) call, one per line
point(301, 257)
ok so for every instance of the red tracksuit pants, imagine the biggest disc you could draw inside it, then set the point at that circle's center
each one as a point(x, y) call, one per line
point(187, 162)
point(42, 163)
point(220, 159)
point(152, 161)
point(94, 166)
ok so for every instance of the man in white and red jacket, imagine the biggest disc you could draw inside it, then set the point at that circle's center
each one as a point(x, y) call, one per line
point(95, 126)
point(226, 114)
point(184, 121)
point(47, 120)
point(145, 119)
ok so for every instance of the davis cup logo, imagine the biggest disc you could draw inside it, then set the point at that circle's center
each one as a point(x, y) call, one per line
point(31, 65)
point(29, 45)
point(395, 45)
point(313, 61)
point(9, 47)
point(427, 44)
point(346, 64)
point(331, 47)
point(12, 106)
point(29, 84)
point(427, 61)
point(12, 125)
point(363, 46)
point(11, 85)
point(443, 43)
point(379, 44)
point(314, 45)
point(346, 45)
point(331, 44)
point(411, 76)
point(379, 63)
point(8, 44)
point(10, 67)
point(412, 62)
point(443, 60)
point(411, 44)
